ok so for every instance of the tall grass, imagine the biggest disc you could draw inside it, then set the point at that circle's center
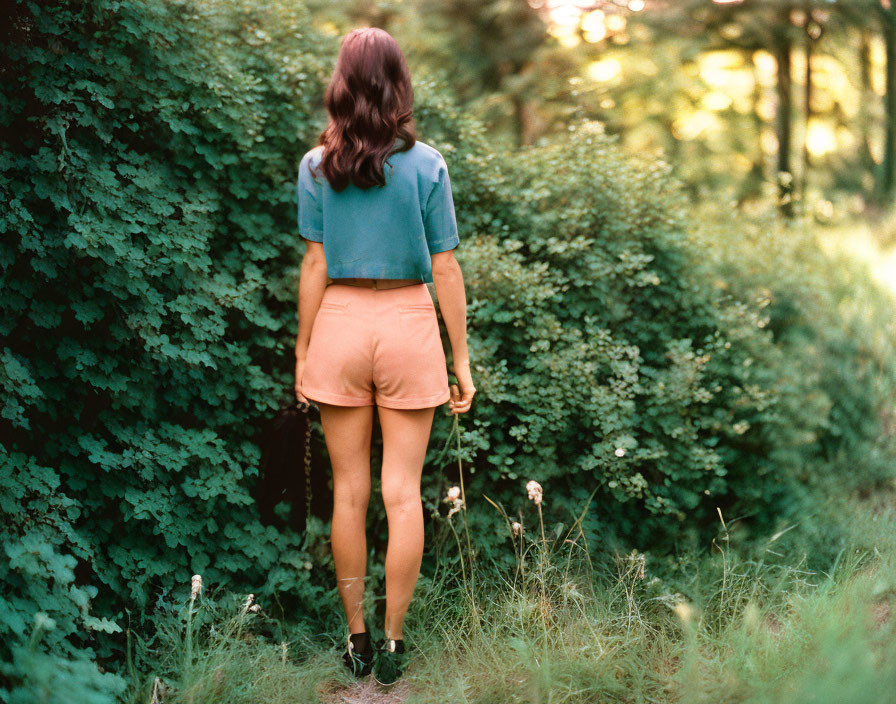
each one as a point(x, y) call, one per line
point(727, 625)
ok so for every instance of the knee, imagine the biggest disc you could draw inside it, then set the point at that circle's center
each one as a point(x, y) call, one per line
point(351, 498)
point(399, 497)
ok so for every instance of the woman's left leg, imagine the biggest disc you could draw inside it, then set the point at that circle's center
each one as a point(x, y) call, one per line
point(405, 439)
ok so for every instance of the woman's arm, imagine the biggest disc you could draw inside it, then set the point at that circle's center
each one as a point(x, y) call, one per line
point(312, 282)
point(449, 282)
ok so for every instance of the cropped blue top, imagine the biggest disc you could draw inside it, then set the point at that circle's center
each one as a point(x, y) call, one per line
point(384, 232)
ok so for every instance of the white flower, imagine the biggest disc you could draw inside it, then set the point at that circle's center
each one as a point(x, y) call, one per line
point(249, 600)
point(196, 586)
point(255, 608)
point(458, 505)
point(453, 497)
point(535, 491)
point(620, 451)
point(517, 528)
point(307, 565)
point(684, 611)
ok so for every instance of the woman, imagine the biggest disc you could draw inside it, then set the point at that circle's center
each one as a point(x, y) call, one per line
point(376, 211)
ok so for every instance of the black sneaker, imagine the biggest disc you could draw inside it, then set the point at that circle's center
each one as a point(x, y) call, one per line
point(391, 660)
point(358, 655)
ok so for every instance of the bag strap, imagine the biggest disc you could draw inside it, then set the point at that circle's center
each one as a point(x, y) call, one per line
point(304, 407)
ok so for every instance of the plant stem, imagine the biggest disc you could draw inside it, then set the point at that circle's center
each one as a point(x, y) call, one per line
point(463, 496)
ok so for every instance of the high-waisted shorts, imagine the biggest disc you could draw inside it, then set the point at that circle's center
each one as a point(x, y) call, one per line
point(376, 347)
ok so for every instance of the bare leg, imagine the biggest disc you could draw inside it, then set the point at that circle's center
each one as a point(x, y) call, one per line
point(347, 432)
point(405, 438)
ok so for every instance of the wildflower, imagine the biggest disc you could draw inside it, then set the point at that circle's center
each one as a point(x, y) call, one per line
point(453, 497)
point(249, 600)
point(307, 565)
point(751, 615)
point(255, 608)
point(535, 491)
point(458, 505)
point(684, 611)
point(196, 586)
point(620, 451)
point(517, 528)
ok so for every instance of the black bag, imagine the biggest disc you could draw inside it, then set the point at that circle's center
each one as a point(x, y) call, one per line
point(290, 472)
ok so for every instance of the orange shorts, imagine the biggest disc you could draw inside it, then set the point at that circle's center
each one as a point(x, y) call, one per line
point(376, 347)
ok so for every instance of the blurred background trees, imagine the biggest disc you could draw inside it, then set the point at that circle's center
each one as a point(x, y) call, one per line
point(789, 99)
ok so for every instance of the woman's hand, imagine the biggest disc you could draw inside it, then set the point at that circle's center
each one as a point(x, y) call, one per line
point(462, 398)
point(300, 370)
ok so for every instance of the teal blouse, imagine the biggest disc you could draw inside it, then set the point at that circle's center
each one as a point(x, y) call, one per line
point(384, 232)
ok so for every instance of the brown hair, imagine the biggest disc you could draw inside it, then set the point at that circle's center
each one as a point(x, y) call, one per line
point(370, 102)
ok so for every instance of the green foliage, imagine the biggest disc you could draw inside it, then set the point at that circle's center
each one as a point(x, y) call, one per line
point(148, 265)
point(50, 679)
point(149, 252)
point(619, 347)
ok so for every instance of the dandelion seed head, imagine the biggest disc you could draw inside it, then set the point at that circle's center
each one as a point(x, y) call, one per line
point(453, 497)
point(535, 491)
point(196, 586)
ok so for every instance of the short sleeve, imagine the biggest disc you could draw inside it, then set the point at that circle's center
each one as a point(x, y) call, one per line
point(310, 210)
point(439, 221)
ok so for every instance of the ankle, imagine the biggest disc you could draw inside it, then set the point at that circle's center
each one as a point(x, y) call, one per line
point(361, 642)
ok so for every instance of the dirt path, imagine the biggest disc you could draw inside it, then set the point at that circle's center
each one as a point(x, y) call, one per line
point(366, 691)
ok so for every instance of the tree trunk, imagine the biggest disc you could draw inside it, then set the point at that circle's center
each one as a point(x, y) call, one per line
point(807, 100)
point(751, 186)
point(525, 114)
point(864, 118)
point(784, 122)
point(888, 27)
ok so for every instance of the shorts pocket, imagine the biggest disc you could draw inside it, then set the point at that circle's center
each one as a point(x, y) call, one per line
point(417, 308)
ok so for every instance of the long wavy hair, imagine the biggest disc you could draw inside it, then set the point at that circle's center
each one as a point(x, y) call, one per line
point(370, 101)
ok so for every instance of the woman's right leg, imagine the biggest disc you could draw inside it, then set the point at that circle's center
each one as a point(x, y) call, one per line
point(347, 432)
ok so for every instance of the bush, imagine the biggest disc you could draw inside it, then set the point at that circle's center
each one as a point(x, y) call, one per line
point(149, 153)
point(624, 347)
